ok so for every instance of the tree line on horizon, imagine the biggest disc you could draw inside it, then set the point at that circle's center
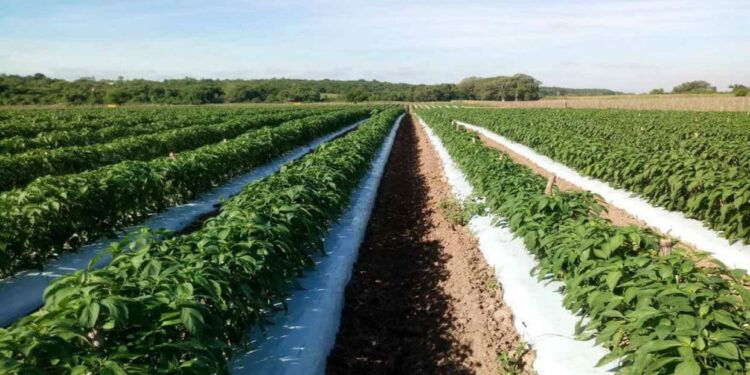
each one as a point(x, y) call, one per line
point(40, 89)
point(702, 87)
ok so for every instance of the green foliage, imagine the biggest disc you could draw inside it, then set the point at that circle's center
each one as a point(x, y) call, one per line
point(355, 95)
point(696, 163)
point(740, 90)
point(694, 87)
point(517, 87)
point(39, 89)
point(656, 92)
point(563, 91)
point(511, 363)
point(20, 169)
point(56, 214)
point(26, 130)
point(453, 211)
point(183, 305)
point(657, 314)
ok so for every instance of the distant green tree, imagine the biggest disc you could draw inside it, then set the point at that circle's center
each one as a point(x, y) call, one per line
point(355, 95)
point(76, 94)
point(563, 91)
point(39, 89)
point(694, 87)
point(200, 94)
point(300, 93)
point(503, 88)
point(117, 95)
point(433, 93)
point(656, 92)
point(240, 92)
point(524, 87)
point(740, 90)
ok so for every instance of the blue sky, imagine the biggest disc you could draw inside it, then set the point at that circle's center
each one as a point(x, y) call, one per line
point(630, 45)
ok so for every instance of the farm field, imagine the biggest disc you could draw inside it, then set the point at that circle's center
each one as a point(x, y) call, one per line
point(647, 309)
point(472, 259)
point(698, 164)
point(674, 102)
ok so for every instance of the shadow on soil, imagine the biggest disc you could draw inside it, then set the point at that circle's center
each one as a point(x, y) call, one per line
point(396, 317)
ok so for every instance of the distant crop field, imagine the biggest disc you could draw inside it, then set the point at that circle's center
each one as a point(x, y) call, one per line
point(720, 103)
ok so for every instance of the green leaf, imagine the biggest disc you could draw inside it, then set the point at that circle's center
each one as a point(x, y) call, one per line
point(112, 368)
point(726, 350)
point(687, 368)
point(612, 314)
point(192, 319)
point(723, 317)
point(89, 315)
point(185, 290)
point(744, 293)
point(612, 279)
point(609, 357)
point(685, 321)
point(657, 346)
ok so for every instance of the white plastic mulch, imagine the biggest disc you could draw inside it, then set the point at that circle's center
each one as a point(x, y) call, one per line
point(300, 340)
point(675, 224)
point(539, 315)
point(22, 294)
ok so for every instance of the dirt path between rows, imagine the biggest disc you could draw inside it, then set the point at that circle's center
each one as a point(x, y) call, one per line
point(421, 300)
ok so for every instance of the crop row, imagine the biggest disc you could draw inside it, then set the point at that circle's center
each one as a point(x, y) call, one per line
point(84, 136)
point(183, 305)
point(706, 135)
point(29, 123)
point(710, 190)
point(55, 214)
point(657, 314)
point(32, 122)
point(20, 169)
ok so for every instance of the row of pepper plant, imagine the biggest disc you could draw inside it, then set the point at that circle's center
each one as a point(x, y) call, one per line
point(57, 214)
point(32, 122)
point(20, 169)
point(656, 314)
point(706, 187)
point(183, 305)
point(82, 136)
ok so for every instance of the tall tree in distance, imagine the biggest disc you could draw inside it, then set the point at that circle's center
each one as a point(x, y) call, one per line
point(503, 88)
point(694, 87)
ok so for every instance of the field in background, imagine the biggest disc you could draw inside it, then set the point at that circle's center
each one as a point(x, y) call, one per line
point(716, 102)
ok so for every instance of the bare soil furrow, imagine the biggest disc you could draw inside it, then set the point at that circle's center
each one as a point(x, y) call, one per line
point(421, 300)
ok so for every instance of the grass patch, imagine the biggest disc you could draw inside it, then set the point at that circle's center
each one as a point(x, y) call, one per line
point(511, 363)
point(453, 211)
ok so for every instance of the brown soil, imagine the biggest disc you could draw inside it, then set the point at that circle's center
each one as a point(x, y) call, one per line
point(421, 300)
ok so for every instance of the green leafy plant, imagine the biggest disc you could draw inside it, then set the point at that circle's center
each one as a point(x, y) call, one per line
point(453, 211)
point(19, 169)
point(117, 124)
point(656, 314)
point(696, 163)
point(511, 363)
point(182, 305)
point(56, 214)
